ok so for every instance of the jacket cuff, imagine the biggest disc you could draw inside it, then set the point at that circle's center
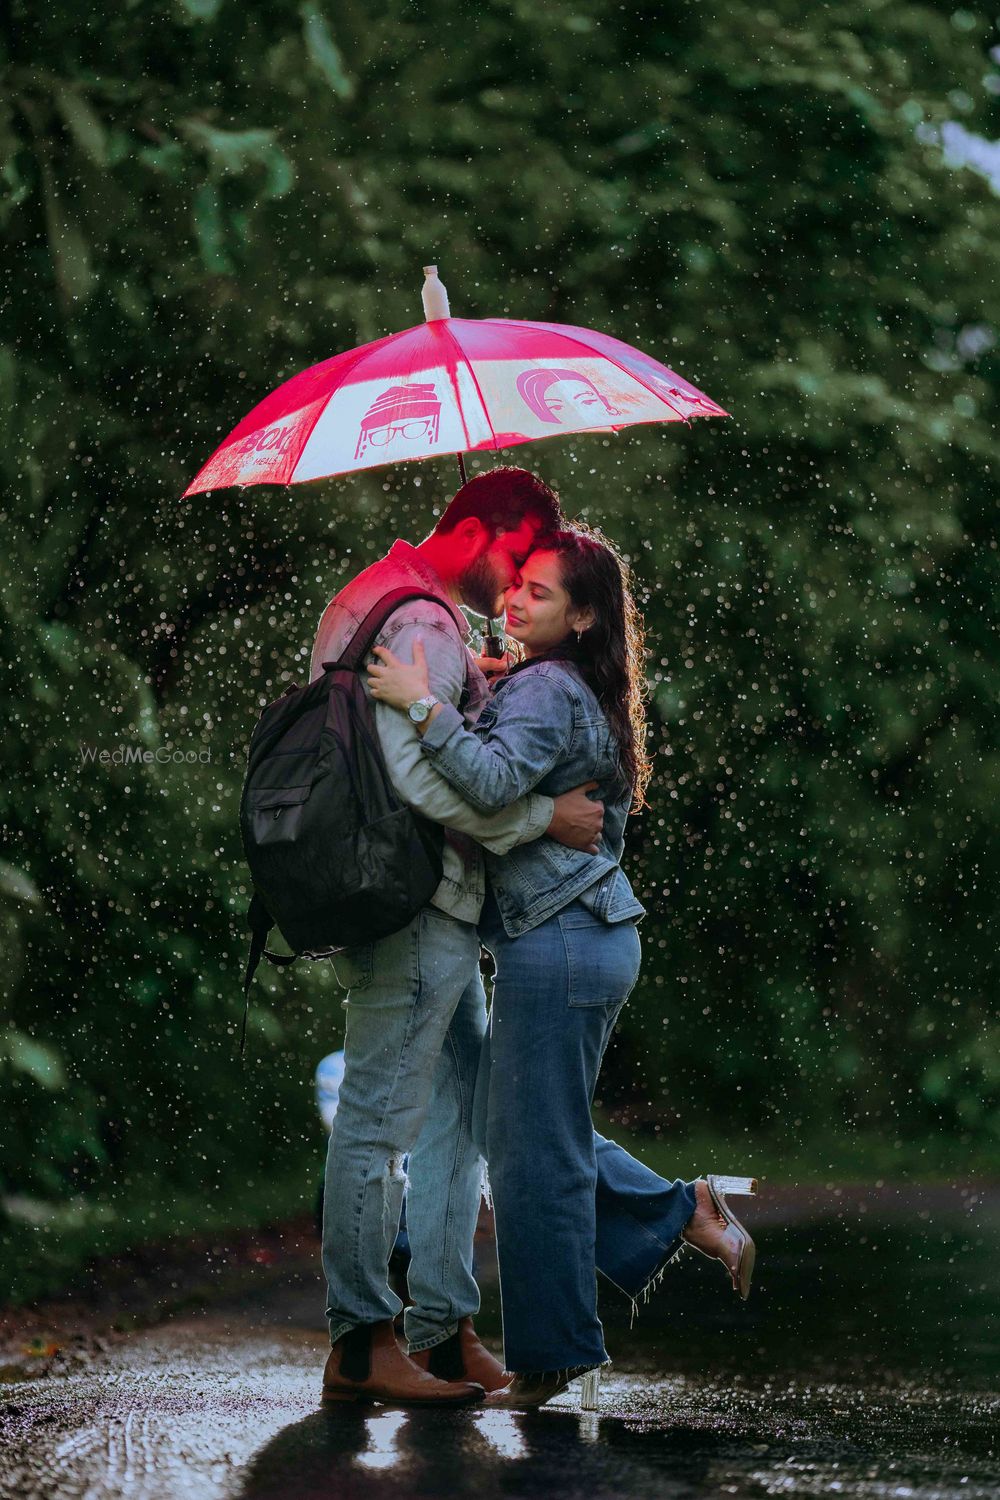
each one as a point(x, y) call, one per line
point(441, 727)
point(540, 811)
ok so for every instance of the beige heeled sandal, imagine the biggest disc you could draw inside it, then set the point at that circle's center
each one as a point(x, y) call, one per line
point(526, 1391)
point(734, 1235)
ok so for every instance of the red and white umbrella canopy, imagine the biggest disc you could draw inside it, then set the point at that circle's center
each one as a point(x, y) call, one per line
point(449, 385)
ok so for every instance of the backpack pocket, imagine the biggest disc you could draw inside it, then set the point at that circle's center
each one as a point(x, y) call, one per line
point(274, 812)
point(270, 797)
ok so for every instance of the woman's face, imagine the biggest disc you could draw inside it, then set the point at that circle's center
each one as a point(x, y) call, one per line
point(539, 612)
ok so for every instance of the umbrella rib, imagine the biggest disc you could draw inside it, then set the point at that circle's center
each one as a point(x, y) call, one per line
point(362, 353)
point(522, 323)
point(479, 390)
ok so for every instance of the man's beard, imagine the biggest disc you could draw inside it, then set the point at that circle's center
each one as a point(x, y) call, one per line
point(479, 588)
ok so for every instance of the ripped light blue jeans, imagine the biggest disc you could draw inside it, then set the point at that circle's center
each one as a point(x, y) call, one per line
point(416, 1014)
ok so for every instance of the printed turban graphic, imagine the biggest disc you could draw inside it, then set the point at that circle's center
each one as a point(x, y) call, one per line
point(406, 411)
point(562, 396)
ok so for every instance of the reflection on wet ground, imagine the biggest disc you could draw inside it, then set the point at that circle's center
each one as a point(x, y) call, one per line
point(864, 1365)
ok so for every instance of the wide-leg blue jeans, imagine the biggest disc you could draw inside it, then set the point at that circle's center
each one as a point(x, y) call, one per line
point(567, 1201)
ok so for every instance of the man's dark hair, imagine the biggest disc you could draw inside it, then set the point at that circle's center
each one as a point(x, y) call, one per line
point(501, 498)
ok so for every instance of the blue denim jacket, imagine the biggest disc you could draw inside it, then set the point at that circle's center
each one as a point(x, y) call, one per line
point(544, 731)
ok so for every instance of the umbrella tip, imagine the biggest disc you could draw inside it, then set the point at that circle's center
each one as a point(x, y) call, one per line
point(434, 296)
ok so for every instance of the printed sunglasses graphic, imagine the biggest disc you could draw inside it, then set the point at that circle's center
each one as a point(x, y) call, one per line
point(409, 412)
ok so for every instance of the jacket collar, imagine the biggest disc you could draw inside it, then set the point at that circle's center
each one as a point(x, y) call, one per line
point(566, 651)
point(404, 555)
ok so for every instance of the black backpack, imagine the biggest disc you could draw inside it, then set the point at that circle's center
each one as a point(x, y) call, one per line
point(336, 857)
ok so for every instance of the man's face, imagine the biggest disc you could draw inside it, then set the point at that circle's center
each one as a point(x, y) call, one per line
point(485, 580)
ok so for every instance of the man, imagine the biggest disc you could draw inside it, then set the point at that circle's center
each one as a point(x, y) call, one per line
point(415, 1006)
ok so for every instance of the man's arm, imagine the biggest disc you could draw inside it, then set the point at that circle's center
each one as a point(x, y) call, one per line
point(418, 783)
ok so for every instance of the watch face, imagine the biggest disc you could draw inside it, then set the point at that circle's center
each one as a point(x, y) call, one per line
point(418, 711)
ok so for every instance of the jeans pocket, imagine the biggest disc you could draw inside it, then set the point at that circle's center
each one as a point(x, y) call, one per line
point(353, 967)
point(603, 962)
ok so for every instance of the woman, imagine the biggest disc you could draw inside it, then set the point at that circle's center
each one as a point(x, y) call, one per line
point(561, 925)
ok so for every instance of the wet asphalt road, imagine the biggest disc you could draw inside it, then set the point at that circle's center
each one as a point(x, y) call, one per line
point(864, 1365)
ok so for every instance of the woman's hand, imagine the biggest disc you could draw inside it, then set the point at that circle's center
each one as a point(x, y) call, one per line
point(393, 682)
point(493, 667)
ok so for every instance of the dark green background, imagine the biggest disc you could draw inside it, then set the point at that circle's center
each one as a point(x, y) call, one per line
point(202, 198)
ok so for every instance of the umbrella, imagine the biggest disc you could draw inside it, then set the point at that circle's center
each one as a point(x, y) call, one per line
point(449, 385)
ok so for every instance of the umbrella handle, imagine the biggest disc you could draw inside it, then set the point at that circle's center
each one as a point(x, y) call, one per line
point(494, 645)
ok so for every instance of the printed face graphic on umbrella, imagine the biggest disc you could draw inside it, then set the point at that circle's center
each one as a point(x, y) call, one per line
point(402, 411)
point(558, 396)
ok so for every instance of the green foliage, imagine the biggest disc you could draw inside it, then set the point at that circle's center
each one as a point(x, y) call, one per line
point(202, 198)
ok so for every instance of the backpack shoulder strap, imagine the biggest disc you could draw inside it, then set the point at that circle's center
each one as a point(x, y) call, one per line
point(361, 641)
point(260, 922)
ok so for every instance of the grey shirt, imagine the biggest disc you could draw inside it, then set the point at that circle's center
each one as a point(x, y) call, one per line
point(455, 679)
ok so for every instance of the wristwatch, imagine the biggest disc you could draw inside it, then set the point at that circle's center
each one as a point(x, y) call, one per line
point(419, 711)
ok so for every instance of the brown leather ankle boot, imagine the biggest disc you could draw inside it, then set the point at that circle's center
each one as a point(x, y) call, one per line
point(463, 1357)
point(369, 1364)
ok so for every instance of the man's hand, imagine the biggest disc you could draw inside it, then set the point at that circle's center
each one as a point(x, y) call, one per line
point(577, 821)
